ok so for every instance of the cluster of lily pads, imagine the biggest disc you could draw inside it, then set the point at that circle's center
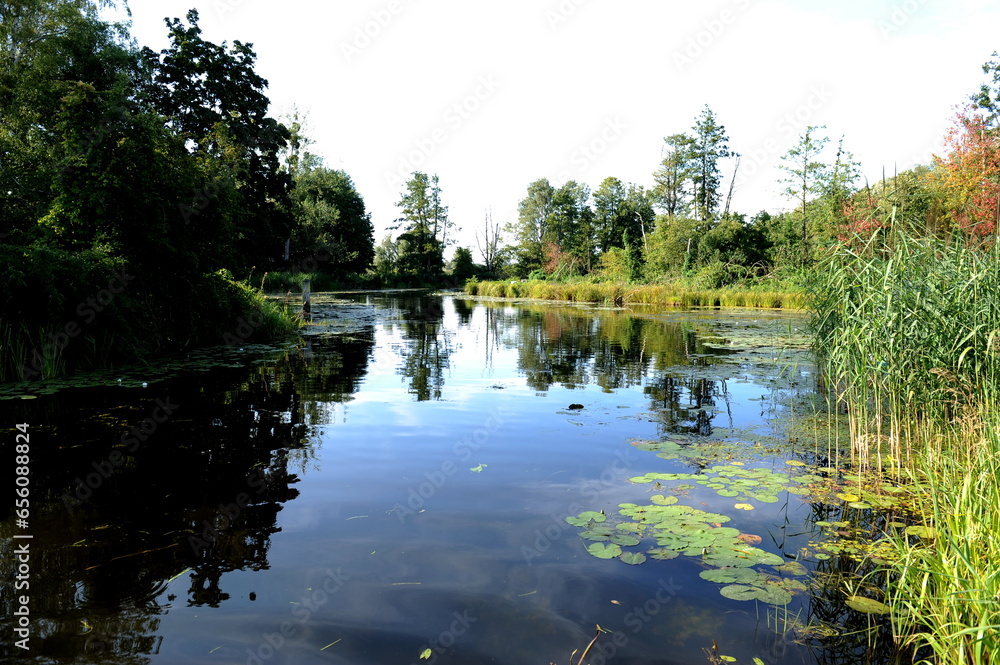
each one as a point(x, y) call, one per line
point(682, 530)
point(731, 558)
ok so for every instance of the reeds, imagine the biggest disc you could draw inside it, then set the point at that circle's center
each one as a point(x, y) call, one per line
point(909, 330)
point(619, 294)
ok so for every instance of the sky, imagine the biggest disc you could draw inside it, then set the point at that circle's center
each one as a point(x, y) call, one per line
point(491, 96)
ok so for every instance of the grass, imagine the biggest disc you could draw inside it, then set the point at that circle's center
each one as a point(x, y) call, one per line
point(622, 294)
point(909, 330)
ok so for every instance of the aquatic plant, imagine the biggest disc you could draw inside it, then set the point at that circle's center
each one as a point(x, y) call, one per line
point(619, 295)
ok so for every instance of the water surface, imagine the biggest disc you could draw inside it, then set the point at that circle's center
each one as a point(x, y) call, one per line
point(397, 480)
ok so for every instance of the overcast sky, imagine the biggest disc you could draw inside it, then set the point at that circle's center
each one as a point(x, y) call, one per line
point(492, 96)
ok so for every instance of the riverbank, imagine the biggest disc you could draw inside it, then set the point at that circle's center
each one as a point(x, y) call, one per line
point(65, 313)
point(670, 295)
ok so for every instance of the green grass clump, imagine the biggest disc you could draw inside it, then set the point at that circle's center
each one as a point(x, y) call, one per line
point(622, 294)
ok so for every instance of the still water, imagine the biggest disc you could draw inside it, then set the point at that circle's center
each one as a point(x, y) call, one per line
point(397, 481)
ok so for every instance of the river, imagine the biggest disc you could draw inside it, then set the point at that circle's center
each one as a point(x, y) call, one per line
point(393, 486)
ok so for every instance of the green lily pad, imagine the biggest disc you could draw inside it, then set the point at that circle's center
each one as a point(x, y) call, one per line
point(728, 493)
point(633, 558)
point(586, 517)
point(661, 500)
point(920, 530)
point(624, 540)
point(604, 550)
point(867, 605)
point(769, 593)
point(732, 575)
point(792, 568)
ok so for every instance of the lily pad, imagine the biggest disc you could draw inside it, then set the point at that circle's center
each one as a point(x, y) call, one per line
point(604, 550)
point(633, 558)
point(732, 575)
point(867, 605)
point(920, 531)
point(661, 500)
point(743, 506)
point(624, 540)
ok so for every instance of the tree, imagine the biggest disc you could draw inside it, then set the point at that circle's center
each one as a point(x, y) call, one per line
point(489, 243)
point(672, 178)
point(211, 96)
point(709, 144)
point(421, 205)
point(806, 176)
point(462, 266)
point(422, 243)
point(988, 97)
point(533, 223)
point(968, 176)
point(569, 226)
point(330, 215)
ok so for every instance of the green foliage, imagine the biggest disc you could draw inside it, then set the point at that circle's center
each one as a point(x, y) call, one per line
point(462, 267)
point(330, 217)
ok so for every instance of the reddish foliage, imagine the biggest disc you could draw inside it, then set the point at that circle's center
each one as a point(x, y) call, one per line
point(969, 176)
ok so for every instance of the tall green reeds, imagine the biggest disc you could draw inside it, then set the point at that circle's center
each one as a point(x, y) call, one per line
point(909, 329)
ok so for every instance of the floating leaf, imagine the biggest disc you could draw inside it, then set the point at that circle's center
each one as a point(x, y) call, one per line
point(732, 575)
point(479, 468)
point(661, 500)
point(743, 506)
point(849, 497)
point(749, 538)
point(861, 505)
point(425, 654)
point(604, 550)
point(794, 462)
point(728, 493)
point(739, 592)
point(792, 568)
point(598, 536)
point(586, 517)
point(624, 540)
point(867, 605)
point(766, 498)
point(633, 558)
point(920, 531)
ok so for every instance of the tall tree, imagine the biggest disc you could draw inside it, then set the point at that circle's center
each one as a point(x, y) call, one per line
point(533, 223)
point(422, 244)
point(330, 215)
point(421, 205)
point(710, 144)
point(570, 225)
point(211, 95)
point(673, 177)
point(488, 242)
point(806, 176)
